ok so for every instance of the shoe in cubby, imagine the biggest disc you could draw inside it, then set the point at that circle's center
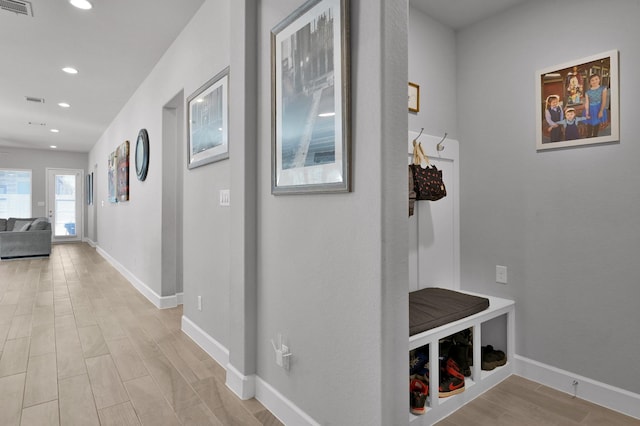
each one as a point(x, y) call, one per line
point(451, 379)
point(418, 392)
point(492, 358)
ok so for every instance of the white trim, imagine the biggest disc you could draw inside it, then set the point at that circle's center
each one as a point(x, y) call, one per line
point(180, 298)
point(210, 345)
point(281, 407)
point(89, 241)
point(608, 396)
point(243, 386)
point(160, 302)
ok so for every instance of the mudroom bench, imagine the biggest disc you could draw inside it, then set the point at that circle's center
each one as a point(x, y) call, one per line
point(491, 325)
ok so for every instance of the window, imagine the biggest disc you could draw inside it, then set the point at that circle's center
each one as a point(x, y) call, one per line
point(15, 193)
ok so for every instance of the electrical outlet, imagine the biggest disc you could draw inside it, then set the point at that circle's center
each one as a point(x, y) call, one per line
point(285, 357)
point(501, 274)
point(225, 197)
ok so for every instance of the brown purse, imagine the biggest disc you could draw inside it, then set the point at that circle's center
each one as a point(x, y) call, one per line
point(428, 183)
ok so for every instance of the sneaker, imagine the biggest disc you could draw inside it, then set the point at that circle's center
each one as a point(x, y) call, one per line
point(418, 363)
point(451, 380)
point(492, 358)
point(459, 353)
point(418, 392)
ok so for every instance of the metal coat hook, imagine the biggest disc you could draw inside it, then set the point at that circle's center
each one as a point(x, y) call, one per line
point(417, 137)
point(440, 146)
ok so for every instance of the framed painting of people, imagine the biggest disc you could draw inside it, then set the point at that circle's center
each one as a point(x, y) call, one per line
point(577, 102)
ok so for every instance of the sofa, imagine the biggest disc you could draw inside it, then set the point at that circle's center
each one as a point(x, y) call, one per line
point(22, 237)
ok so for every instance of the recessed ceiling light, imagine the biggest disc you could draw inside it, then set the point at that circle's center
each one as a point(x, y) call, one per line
point(64, 105)
point(70, 70)
point(81, 4)
point(52, 146)
point(54, 131)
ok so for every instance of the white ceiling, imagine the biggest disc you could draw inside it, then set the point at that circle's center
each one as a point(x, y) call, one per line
point(458, 14)
point(114, 46)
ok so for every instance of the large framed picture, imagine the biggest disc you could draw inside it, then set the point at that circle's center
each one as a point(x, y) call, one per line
point(122, 173)
point(112, 179)
point(310, 84)
point(577, 102)
point(207, 117)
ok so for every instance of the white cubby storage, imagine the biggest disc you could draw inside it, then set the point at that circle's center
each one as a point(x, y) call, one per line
point(500, 310)
point(434, 261)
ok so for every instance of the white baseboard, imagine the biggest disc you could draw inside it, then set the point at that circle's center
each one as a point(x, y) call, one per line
point(243, 386)
point(88, 241)
point(608, 396)
point(160, 302)
point(210, 345)
point(280, 406)
point(247, 386)
point(180, 298)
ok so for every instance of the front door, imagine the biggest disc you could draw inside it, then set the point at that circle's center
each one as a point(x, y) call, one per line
point(64, 203)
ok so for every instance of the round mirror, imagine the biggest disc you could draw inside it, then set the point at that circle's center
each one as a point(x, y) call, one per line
point(142, 154)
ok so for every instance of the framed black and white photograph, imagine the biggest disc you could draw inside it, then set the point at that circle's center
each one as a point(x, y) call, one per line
point(207, 117)
point(577, 102)
point(310, 85)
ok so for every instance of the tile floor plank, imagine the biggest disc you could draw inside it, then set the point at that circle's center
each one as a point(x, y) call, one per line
point(42, 380)
point(45, 414)
point(173, 386)
point(127, 360)
point(11, 391)
point(105, 381)
point(77, 407)
point(92, 341)
point(118, 415)
point(15, 357)
point(149, 403)
point(43, 340)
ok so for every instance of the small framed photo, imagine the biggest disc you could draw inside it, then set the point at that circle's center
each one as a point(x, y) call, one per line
point(207, 122)
point(311, 111)
point(414, 97)
point(577, 102)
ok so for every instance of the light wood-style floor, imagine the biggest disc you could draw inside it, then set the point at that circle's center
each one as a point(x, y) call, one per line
point(80, 346)
point(521, 402)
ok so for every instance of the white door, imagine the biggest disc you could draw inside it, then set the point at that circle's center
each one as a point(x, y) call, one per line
point(64, 203)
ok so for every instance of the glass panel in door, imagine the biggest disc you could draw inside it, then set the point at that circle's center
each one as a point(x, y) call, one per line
point(64, 203)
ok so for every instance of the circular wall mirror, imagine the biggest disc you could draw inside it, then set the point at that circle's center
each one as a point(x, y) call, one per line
point(142, 154)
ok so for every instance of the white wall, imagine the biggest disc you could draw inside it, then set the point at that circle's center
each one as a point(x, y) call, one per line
point(432, 65)
point(564, 222)
point(131, 232)
point(332, 269)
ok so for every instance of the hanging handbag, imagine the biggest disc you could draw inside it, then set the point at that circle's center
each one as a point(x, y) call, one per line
point(412, 192)
point(428, 183)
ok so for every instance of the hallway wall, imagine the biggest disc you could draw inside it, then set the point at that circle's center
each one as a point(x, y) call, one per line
point(131, 232)
point(564, 222)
